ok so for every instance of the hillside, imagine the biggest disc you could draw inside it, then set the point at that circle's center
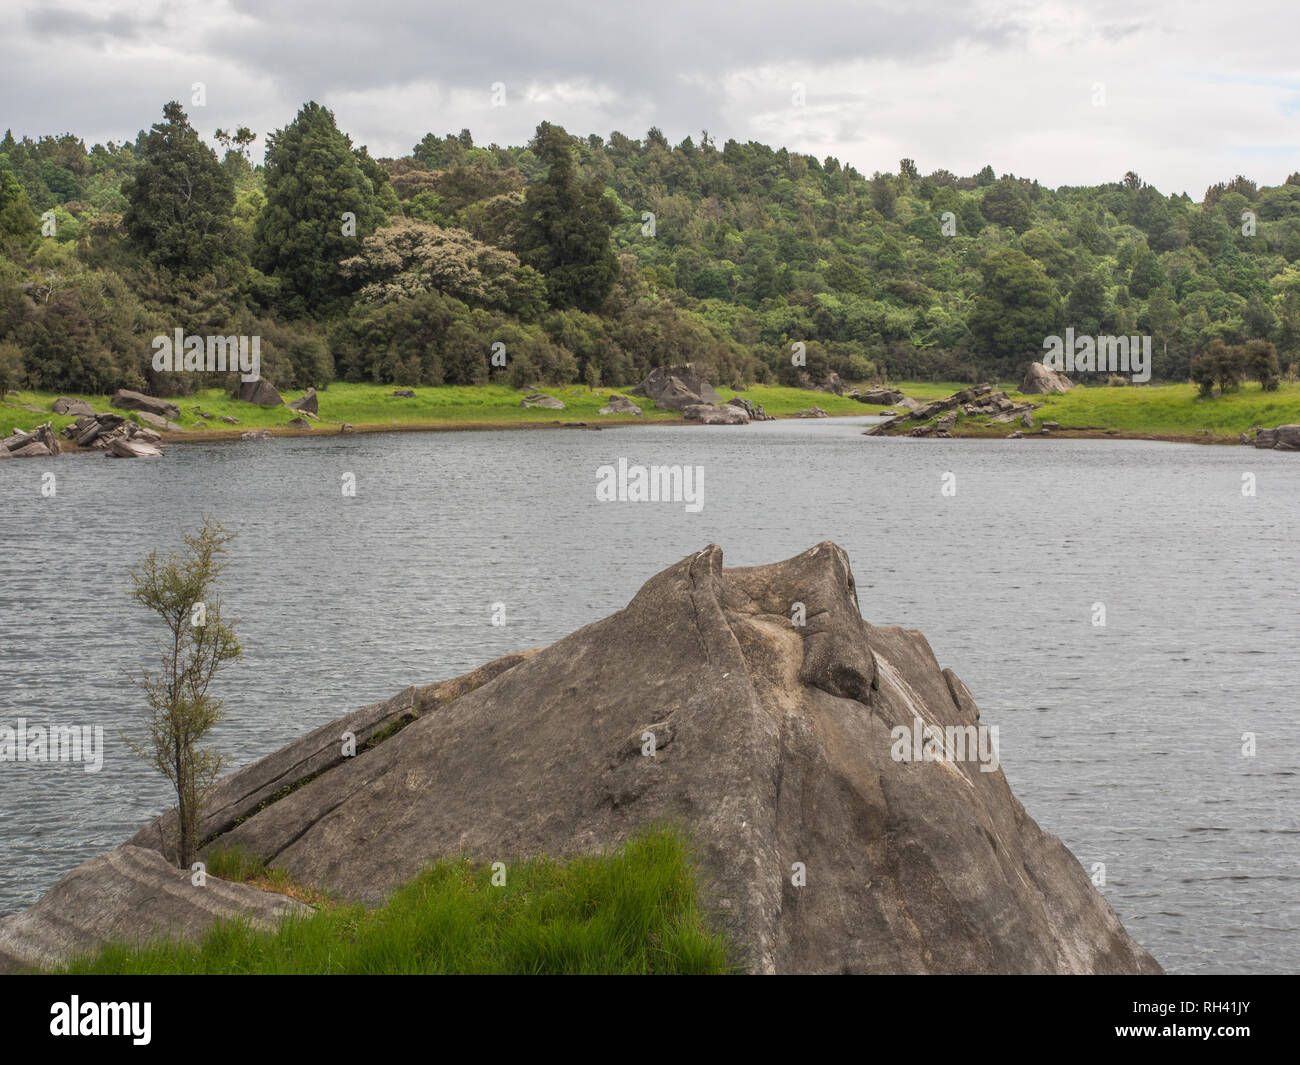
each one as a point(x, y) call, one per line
point(593, 260)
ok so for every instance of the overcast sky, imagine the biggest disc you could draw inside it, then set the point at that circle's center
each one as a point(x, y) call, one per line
point(1185, 93)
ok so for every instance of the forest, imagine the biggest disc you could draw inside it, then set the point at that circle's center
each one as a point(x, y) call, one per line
point(593, 260)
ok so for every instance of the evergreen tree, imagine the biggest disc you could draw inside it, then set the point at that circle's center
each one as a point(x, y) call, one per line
point(319, 205)
point(565, 227)
point(180, 200)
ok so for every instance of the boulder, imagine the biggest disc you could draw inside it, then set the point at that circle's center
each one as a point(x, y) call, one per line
point(256, 434)
point(715, 414)
point(228, 419)
point(1027, 420)
point(677, 387)
point(1040, 381)
point(32, 450)
point(1287, 437)
point(125, 399)
point(888, 397)
point(401, 393)
point(945, 424)
point(299, 423)
point(830, 383)
point(1051, 426)
point(906, 403)
point(260, 392)
point(160, 423)
point(120, 447)
point(41, 442)
point(753, 410)
point(75, 407)
point(775, 745)
point(619, 405)
point(131, 893)
point(1265, 438)
point(541, 399)
point(811, 412)
point(307, 403)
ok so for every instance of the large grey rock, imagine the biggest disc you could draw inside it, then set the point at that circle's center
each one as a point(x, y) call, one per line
point(307, 403)
point(260, 392)
point(619, 405)
point(125, 399)
point(720, 414)
point(888, 397)
point(119, 447)
point(1287, 437)
point(677, 387)
point(130, 894)
point(773, 746)
point(1040, 381)
point(754, 410)
point(75, 407)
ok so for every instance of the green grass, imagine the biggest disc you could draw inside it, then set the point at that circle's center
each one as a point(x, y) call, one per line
point(1161, 411)
point(1168, 411)
point(633, 911)
point(1172, 410)
point(374, 406)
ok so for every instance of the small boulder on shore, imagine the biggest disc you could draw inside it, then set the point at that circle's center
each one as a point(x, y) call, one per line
point(715, 414)
point(159, 423)
point(541, 399)
point(125, 399)
point(619, 405)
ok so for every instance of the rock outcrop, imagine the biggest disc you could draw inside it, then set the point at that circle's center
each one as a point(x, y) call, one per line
point(677, 387)
point(1040, 381)
point(129, 893)
point(754, 410)
point(774, 744)
point(619, 405)
point(307, 403)
point(74, 407)
point(1283, 438)
point(40, 443)
point(715, 414)
point(125, 399)
point(885, 397)
point(260, 392)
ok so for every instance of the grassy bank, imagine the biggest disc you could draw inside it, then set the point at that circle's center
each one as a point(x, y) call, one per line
point(1164, 412)
point(1159, 412)
point(373, 407)
point(633, 911)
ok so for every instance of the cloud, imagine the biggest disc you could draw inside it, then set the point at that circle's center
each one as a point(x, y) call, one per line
point(1191, 94)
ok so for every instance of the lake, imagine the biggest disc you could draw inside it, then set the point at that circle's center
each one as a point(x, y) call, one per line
point(1126, 740)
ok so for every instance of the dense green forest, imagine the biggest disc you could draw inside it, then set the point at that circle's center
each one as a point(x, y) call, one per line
point(594, 260)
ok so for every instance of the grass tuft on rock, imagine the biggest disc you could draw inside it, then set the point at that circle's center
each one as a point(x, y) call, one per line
point(633, 911)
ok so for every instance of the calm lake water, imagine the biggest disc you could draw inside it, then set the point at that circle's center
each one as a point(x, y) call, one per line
point(1124, 740)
